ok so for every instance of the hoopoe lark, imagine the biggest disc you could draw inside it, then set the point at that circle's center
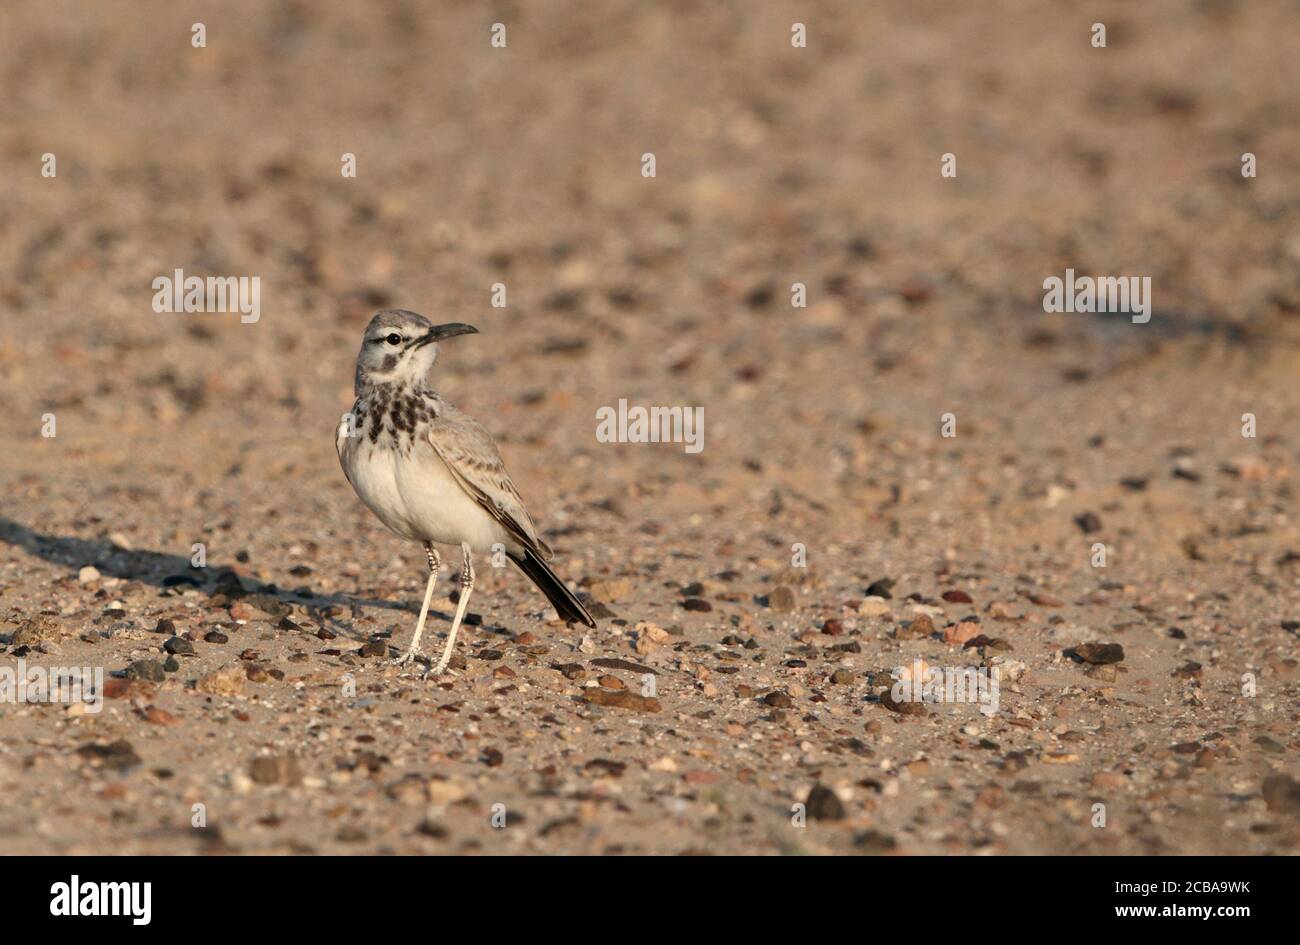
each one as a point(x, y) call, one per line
point(431, 473)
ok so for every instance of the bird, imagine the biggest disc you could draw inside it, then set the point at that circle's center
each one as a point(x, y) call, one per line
point(433, 474)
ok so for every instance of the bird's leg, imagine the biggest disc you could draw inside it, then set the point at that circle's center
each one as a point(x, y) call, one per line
point(466, 588)
point(435, 565)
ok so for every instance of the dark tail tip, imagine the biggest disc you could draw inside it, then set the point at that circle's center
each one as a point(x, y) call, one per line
point(564, 601)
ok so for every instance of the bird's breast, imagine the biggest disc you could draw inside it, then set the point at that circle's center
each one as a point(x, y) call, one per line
point(413, 493)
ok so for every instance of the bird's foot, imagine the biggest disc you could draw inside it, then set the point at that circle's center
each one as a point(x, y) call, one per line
point(435, 670)
point(409, 656)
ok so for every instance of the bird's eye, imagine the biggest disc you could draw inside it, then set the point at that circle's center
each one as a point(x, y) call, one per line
point(394, 339)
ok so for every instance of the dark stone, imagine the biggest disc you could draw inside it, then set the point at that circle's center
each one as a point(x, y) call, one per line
point(881, 588)
point(874, 842)
point(1088, 522)
point(1281, 794)
point(269, 605)
point(1098, 654)
point(151, 670)
point(118, 756)
point(824, 804)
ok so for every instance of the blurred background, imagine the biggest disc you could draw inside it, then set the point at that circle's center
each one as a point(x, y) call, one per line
point(522, 165)
point(775, 165)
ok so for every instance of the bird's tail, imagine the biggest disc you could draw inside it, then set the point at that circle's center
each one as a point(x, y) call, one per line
point(539, 572)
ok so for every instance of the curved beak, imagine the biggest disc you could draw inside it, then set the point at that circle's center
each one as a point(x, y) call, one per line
point(442, 332)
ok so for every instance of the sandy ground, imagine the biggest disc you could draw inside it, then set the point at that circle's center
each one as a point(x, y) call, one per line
point(276, 727)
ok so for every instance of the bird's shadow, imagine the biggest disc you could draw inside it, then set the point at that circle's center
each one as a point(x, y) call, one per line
point(174, 573)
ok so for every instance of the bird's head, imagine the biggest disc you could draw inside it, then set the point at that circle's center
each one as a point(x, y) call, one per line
point(399, 347)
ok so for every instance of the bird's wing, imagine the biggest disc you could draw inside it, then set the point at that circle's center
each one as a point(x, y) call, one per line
point(341, 438)
point(472, 457)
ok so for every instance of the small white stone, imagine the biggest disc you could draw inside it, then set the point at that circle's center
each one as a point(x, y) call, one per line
point(87, 574)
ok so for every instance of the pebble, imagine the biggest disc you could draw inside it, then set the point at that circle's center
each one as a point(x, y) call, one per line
point(881, 588)
point(917, 628)
point(1088, 522)
point(269, 604)
point(902, 708)
point(606, 766)
point(622, 700)
point(157, 716)
point(649, 637)
point(824, 804)
point(1098, 654)
point(118, 688)
point(116, 756)
point(260, 673)
point(179, 646)
point(1108, 781)
point(874, 842)
point(1270, 745)
point(226, 681)
point(957, 597)
point(442, 791)
point(409, 790)
point(961, 633)
point(779, 700)
point(781, 599)
point(34, 630)
point(216, 636)
point(606, 662)
point(148, 670)
point(873, 607)
point(1000, 610)
point(88, 574)
point(1281, 794)
point(1247, 467)
point(430, 828)
point(275, 769)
